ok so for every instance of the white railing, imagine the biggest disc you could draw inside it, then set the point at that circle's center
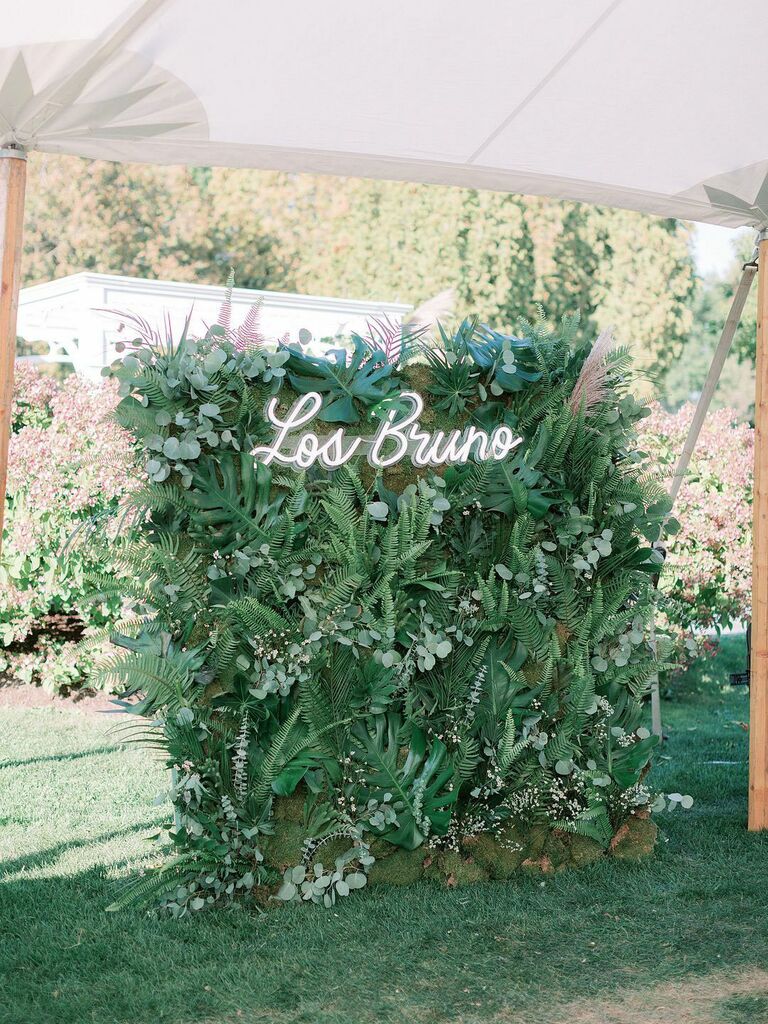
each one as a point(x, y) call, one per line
point(72, 314)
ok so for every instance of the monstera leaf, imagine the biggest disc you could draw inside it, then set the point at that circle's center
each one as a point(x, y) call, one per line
point(629, 762)
point(346, 384)
point(419, 786)
point(508, 359)
point(513, 487)
point(233, 502)
point(502, 691)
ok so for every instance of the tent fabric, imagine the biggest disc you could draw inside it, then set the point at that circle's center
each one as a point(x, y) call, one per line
point(652, 105)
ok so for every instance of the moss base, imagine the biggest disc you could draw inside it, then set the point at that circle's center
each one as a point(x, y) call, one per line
point(400, 868)
point(636, 838)
point(531, 850)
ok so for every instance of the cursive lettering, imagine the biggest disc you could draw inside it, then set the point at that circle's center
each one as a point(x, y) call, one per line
point(399, 435)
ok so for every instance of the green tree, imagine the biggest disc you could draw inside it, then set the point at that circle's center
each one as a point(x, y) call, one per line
point(622, 269)
point(138, 220)
point(711, 303)
point(645, 286)
point(720, 292)
point(368, 240)
point(497, 275)
point(572, 278)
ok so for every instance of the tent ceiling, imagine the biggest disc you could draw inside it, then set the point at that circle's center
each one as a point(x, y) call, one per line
point(647, 104)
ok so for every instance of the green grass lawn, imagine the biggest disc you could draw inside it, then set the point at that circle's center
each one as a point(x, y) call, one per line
point(75, 808)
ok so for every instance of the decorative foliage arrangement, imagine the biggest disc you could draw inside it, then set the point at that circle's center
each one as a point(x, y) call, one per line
point(363, 676)
point(69, 463)
point(708, 584)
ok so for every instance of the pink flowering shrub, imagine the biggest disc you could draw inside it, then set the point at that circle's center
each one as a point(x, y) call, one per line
point(32, 395)
point(69, 465)
point(707, 581)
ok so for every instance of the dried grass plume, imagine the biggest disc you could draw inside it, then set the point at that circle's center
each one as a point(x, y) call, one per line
point(592, 386)
point(426, 316)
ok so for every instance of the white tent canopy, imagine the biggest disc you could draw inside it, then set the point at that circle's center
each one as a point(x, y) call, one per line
point(654, 105)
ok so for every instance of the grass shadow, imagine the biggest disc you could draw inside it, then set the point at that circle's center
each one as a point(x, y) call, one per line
point(420, 954)
point(44, 858)
point(44, 758)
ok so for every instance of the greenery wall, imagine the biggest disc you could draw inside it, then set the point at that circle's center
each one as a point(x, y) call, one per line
point(364, 676)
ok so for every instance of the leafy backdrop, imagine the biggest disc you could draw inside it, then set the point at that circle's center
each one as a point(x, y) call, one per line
point(708, 583)
point(356, 675)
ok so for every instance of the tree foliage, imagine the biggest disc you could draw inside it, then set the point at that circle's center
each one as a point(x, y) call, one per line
point(370, 240)
point(138, 220)
point(69, 466)
point(712, 300)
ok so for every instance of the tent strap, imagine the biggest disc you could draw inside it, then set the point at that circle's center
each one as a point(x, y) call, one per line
point(741, 294)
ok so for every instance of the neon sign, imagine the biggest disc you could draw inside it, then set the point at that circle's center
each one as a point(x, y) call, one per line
point(398, 436)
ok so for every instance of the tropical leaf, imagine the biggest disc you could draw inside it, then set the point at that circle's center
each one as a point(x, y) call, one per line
point(348, 385)
point(513, 487)
point(232, 502)
point(420, 786)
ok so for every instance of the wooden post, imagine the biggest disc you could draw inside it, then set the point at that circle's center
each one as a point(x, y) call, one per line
point(758, 692)
point(13, 177)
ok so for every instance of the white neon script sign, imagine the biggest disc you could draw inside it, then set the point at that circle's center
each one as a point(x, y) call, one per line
point(399, 435)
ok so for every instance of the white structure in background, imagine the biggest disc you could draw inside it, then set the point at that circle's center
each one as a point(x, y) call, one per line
point(78, 316)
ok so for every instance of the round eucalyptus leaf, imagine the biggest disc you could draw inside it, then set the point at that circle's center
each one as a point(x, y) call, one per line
point(378, 510)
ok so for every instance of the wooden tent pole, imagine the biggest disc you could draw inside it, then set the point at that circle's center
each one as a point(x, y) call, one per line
point(758, 692)
point(13, 178)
